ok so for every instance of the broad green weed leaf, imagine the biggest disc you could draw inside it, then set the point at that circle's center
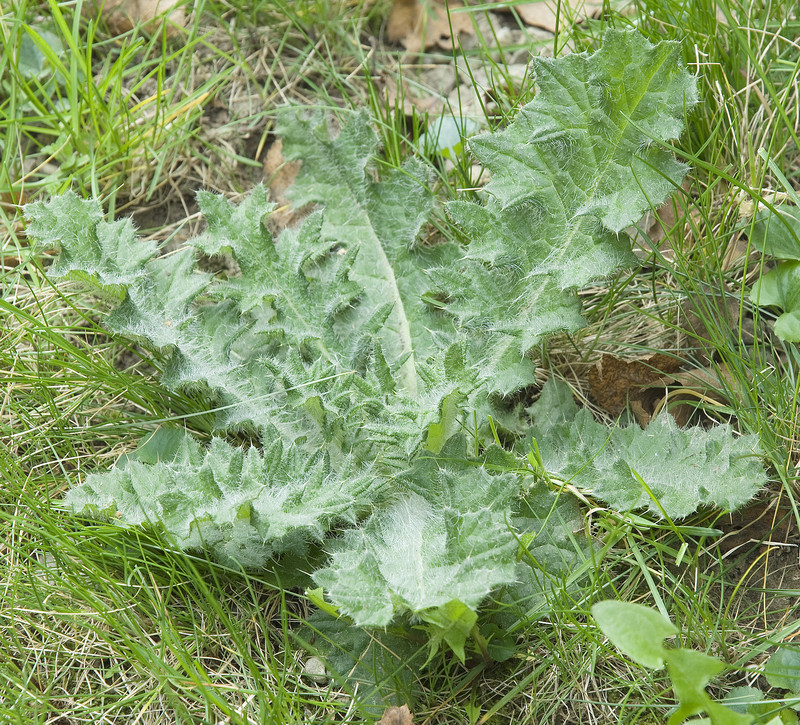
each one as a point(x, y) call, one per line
point(751, 701)
point(451, 623)
point(780, 287)
point(777, 233)
point(581, 162)
point(783, 668)
point(446, 135)
point(690, 672)
point(718, 715)
point(742, 699)
point(164, 444)
point(31, 62)
point(682, 468)
point(639, 632)
point(635, 630)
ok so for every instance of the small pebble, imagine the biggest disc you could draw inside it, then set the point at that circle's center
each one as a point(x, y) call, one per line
point(315, 670)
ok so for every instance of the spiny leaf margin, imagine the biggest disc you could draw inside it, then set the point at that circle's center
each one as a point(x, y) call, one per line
point(682, 469)
point(582, 161)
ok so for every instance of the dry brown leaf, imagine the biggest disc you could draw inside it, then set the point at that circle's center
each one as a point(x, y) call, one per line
point(657, 225)
point(124, 15)
point(649, 386)
point(614, 384)
point(423, 24)
point(736, 253)
point(543, 14)
point(396, 716)
point(280, 175)
point(719, 313)
point(660, 228)
point(688, 388)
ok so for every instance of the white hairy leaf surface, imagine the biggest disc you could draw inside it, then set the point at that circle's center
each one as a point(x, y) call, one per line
point(579, 163)
point(682, 469)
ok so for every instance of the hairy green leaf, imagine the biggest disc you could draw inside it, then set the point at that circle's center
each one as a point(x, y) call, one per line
point(107, 256)
point(554, 555)
point(378, 222)
point(381, 666)
point(663, 468)
point(581, 162)
point(446, 540)
point(458, 533)
point(243, 506)
point(288, 347)
point(414, 557)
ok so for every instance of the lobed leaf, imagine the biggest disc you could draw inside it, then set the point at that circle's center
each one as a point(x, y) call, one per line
point(105, 255)
point(585, 159)
point(411, 557)
point(378, 223)
point(244, 507)
point(446, 541)
point(682, 469)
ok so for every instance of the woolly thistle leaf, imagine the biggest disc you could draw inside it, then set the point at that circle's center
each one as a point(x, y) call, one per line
point(578, 164)
point(683, 469)
point(444, 541)
point(416, 557)
point(555, 555)
point(458, 533)
point(378, 221)
point(353, 350)
point(291, 346)
point(108, 256)
point(382, 666)
point(244, 506)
